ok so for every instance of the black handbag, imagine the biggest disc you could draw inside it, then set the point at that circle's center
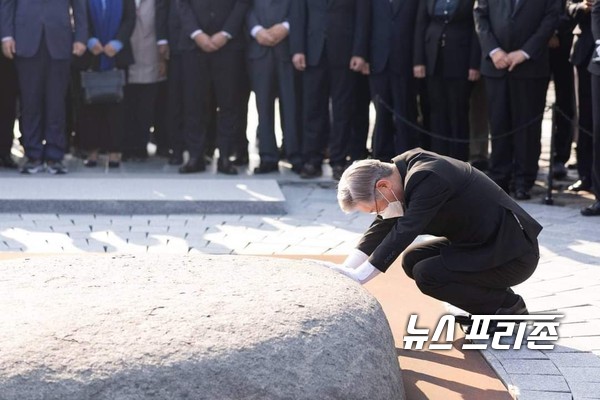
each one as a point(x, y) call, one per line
point(102, 87)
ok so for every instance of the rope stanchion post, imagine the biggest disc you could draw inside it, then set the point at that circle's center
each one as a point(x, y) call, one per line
point(548, 200)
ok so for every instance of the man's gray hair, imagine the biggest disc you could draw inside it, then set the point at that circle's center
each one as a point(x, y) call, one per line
point(358, 183)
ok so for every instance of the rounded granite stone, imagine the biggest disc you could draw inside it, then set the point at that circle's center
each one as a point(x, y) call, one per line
point(202, 327)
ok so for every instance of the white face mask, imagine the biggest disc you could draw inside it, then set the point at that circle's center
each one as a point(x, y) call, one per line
point(395, 209)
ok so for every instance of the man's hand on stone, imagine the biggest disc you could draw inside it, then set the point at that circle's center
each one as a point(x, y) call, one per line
point(361, 274)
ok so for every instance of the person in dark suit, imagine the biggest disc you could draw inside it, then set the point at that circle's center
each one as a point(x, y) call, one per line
point(447, 52)
point(8, 108)
point(42, 40)
point(564, 88)
point(581, 54)
point(272, 75)
point(486, 244)
point(215, 50)
point(514, 36)
point(100, 126)
point(169, 35)
point(392, 33)
point(594, 68)
point(328, 42)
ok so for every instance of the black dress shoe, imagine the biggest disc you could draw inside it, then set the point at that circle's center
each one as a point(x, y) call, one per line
point(560, 171)
point(90, 163)
point(522, 194)
point(583, 184)
point(591, 211)
point(241, 160)
point(226, 167)
point(8, 162)
point(267, 166)
point(193, 165)
point(519, 308)
point(310, 171)
point(337, 172)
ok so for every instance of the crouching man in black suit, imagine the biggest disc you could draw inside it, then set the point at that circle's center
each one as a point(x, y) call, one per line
point(487, 242)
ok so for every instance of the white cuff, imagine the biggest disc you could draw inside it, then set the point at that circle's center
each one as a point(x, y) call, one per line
point(355, 259)
point(227, 35)
point(286, 25)
point(196, 33)
point(497, 49)
point(7, 38)
point(365, 272)
point(255, 30)
point(525, 54)
point(162, 41)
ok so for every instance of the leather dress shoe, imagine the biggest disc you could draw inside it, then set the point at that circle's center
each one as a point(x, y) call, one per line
point(583, 184)
point(8, 162)
point(267, 166)
point(310, 171)
point(522, 194)
point(591, 211)
point(193, 165)
point(519, 308)
point(226, 167)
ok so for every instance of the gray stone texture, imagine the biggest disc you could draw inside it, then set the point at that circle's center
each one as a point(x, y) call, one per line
point(202, 327)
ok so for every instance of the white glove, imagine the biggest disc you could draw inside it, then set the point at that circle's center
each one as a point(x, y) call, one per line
point(355, 259)
point(362, 274)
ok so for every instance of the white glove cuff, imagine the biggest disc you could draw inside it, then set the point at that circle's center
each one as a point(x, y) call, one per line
point(355, 259)
point(365, 270)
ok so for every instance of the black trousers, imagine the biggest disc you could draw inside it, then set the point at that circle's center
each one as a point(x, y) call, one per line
point(585, 139)
point(360, 125)
point(139, 115)
point(321, 83)
point(221, 71)
point(392, 135)
point(100, 126)
point(517, 106)
point(564, 86)
point(160, 117)
point(481, 292)
point(450, 115)
point(175, 84)
point(8, 104)
point(596, 150)
point(43, 84)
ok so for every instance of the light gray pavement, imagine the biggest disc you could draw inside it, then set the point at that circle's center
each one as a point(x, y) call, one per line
point(567, 280)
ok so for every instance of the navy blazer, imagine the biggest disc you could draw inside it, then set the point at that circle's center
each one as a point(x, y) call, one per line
point(448, 198)
point(213, 16)
point(392, 35)
point(594, 68)
point(461, 50)
point(529, 28)
point(340, 26)
point(267, 13)
point(27, 20)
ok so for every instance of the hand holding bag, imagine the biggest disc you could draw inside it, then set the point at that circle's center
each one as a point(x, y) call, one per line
point(103, 87)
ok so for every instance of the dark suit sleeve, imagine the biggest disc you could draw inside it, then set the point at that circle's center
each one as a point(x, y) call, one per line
point(420, 29)
point(537, 44)
point(162, 18)
point(475, 57)
point(426, 198)
point(298, 27)
point(80, 16)
point(252, 20)
point(7, 13)
point(235, 21)
point(361, 28)
point(189, 21)
point(483, 27)
point(127, 22)
point(596, 20)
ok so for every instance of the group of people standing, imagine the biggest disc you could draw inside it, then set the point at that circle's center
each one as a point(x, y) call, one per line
point(420, 62)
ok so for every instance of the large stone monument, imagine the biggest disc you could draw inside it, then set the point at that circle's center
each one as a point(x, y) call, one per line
point(210, 327)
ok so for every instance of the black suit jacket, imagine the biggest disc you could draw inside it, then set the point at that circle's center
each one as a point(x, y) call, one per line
point(529, 28)
point(339, 26)
point(461, 51)
point(583, 47)
point(594, 68)
point(168, 24)
point(124, 57)
point(392, 32)
point(268, 13)
point(448, 198)
point(212, 16)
